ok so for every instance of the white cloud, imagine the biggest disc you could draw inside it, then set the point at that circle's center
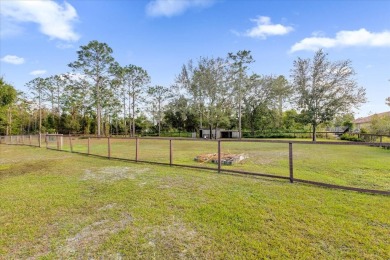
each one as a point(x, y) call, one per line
point(170, 8)
point(360, 37)
point(12, 59)
point(54, 20)
point(265, 28)
point(37, 72)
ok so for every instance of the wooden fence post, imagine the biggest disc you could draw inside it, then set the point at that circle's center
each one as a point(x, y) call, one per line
point(290, 159)
point(29, 137)
point(109, 147)
point(219, 156)
point(58, 142)
point(136, 148)
point(170, 152)
point(89, 145)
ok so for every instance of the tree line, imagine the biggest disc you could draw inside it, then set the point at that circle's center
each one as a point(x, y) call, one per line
point(99, 96)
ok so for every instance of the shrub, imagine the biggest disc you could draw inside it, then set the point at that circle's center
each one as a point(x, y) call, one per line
point(352, 138)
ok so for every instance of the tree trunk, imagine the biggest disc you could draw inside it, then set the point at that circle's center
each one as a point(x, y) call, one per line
point(124, 116)
point(280, 119)
point(130, 123)
point(239, 119)
point(159, 118)
point(314, 133)
point(40, 114)
point(200, 118)
point(98, 119)
point(133, 120)
point(8, 121)
point(58, 110)
point(252, 123)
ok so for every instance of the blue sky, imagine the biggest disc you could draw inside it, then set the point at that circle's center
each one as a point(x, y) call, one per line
point(39, 38)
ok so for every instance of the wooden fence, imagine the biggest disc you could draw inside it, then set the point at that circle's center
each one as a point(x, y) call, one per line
point(103, 147)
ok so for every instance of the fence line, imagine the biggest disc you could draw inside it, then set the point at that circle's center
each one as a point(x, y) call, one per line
point(58, 142)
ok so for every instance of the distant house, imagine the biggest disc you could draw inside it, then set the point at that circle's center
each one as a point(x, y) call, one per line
point(218, 133)
point(365, 122)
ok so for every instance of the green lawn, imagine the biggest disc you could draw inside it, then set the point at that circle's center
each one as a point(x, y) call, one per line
point(354, 166)
point(62, 205)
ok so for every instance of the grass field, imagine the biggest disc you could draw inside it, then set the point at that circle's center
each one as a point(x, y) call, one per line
point(62, 205)
point(354, 166)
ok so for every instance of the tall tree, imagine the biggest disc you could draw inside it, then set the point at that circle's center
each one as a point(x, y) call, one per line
point(159, 95)
point(211, 77)
point(8, 96)
point(181, 115)
point(55, 89)
point(95, 62)
point(239, 66)
point(37, 87)
point(76, 102)
point(185, 80)
point(281, 90)
point(259, 95)
point(121, 90)
point(325, 89)
point(136, 80)
point(7, 93)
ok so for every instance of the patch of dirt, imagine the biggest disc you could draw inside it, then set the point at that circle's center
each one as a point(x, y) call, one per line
point(108, 207)
point(112, 174)
point(25, 168)
point(177, 238)
point(90, 237)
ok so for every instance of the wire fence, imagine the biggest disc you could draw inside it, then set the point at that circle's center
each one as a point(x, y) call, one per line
point(328, 164)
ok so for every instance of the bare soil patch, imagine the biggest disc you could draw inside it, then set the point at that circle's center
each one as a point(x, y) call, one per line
point(93, 235)
point(112, 174)
point(181, 241)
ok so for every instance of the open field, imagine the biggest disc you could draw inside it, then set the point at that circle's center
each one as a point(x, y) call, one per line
point(350, 165)
point(62, 205)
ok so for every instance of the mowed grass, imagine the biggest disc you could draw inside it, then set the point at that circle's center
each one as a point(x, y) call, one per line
point(62, 205)
point(350, 165)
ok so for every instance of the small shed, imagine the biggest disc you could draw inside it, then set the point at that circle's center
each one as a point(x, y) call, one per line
point(218, 133)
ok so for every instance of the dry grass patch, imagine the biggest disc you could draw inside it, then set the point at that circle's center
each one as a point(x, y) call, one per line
point(173, 241)
point(90, 238)
point(112, 174)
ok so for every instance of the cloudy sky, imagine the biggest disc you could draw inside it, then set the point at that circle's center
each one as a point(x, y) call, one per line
point(39, 38)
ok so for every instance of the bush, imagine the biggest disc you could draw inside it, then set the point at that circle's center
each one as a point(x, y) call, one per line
point(352, 138)
point(267, 135)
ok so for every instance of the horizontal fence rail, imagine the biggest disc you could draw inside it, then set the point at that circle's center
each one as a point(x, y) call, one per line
point(181, 152)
